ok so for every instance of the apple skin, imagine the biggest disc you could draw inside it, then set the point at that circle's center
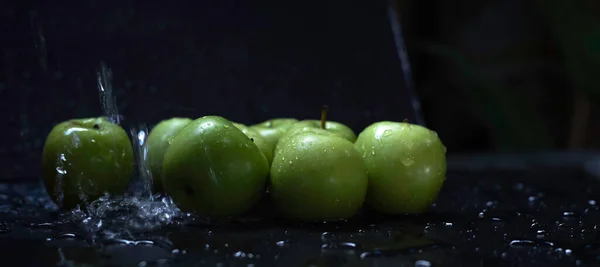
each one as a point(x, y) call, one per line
point(297, 130)
point(157, 144)
point(262, 144)
point(285, 123)
point(270, 134)
point(406, 164)
point(318, 177)
point(214, 169)
point(86, 157)
point(332, 126)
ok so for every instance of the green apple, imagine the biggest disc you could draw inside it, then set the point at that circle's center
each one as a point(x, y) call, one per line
point(406, 164)
point(157, 143)
point(273, 129)
point(213, 168)
point(285, 123)
point(270, 134)
point(332, 126)
point(84, 158)
point(258, 140)
point(316, 177)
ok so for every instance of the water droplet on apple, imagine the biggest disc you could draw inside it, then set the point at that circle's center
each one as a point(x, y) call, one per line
point(76, 140)
point(428, 142)
point(386, 133)
point(290, 162)
point(408, 160)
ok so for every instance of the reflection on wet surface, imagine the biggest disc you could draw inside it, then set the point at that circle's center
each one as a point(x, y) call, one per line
point(483, 220)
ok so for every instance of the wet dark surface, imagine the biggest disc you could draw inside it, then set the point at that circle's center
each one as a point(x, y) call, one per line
point(505, 218)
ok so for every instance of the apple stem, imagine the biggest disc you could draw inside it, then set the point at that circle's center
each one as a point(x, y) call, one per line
point(405, 120)
point(324, 110)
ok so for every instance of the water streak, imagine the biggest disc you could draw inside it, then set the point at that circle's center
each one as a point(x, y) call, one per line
point(105, 90)
point(403, 56)
point(145, 182)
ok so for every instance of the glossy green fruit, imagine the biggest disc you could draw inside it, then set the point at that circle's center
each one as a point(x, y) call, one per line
point(285, 123)
point(157, 144)
point(407, 166)
point(258, 140)
point(212, 168)
point(332, 126)
point(297, 130)
point(85, 158)
point(317, 177)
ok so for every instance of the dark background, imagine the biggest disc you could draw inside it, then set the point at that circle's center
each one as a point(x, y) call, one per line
point(507, 75)
point(490, 76)
point(247, 61)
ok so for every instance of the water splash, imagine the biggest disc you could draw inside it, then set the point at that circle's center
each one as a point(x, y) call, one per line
point(139, 210)
point(58, 187)
point(119, 216)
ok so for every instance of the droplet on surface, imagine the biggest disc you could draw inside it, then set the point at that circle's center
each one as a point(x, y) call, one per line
point(422, 263)
point(4, 228)
point(541, 233)
point(282, 243)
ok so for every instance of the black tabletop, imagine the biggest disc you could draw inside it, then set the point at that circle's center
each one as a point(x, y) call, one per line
point(511, 217)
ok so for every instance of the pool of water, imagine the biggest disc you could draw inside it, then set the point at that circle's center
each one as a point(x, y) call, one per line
point(499, 218)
